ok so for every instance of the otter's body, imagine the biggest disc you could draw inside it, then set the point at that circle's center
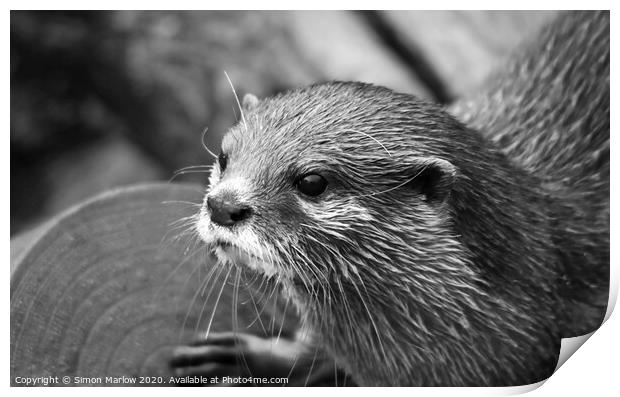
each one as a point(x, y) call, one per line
point(419, 249)
point(548, 111)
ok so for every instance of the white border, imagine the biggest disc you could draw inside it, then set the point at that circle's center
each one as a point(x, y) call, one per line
point(593, 370)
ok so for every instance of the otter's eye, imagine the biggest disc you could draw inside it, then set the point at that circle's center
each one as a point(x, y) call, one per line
point(223, 160)
point(312, 185)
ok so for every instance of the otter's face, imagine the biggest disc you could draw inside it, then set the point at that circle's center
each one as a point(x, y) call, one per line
point(325, 200)
point(261, 200)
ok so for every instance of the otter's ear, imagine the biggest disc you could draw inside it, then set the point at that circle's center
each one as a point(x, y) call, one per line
point(249, 102)
point(433, 178)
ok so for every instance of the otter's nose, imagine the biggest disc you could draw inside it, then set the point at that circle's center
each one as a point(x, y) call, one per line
point(225, 212)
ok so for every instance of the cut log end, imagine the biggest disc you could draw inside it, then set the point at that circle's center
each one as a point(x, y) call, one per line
point(108, 288)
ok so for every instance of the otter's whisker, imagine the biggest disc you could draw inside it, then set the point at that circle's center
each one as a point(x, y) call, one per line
point(182, 222)
point(186, 222)
point(176, 174)
point(235, 315)
point(219, 296)
point(347, 307)
point(283, 319)
point(316, 350)
point(183, 288)
point(202, 285)
point(195, 167)
point(395, 187)
point(188, 231)
point(374, 139)
point(248, 289)
point(204, 145)
point(237, 99)
point(209, 277)
point(372, 321)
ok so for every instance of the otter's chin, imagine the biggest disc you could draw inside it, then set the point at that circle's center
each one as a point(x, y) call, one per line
point(234, 255)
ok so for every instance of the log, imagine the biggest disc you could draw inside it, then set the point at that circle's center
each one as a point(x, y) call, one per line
point(112, 285)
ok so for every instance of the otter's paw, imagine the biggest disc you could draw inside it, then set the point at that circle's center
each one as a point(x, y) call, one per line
point(231, 355)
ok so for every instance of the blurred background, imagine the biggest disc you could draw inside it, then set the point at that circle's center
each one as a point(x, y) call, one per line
point(105, 99)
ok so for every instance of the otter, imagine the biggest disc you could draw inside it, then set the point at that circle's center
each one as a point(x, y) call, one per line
point(423, 245)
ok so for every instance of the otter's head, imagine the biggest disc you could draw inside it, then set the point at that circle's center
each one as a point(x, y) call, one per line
point(338, 190)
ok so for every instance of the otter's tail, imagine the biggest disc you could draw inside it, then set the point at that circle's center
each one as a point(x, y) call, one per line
point(548, 111)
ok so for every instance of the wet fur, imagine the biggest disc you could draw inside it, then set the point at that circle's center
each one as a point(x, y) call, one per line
point(443, 252)
point(549, 113)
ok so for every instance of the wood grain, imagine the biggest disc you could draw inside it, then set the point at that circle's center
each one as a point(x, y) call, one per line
point(108, 288)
